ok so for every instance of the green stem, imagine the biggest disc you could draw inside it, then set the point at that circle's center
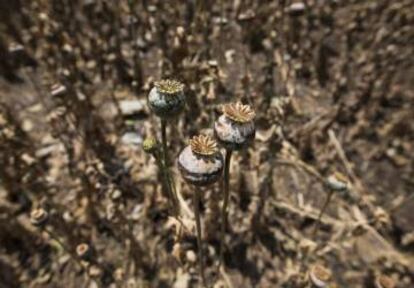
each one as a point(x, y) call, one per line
point(226, 182)
point(165, 182)
point(166, 171)
point(173, 192)
point(199, 242)
point(325, 205)
point(164, 142)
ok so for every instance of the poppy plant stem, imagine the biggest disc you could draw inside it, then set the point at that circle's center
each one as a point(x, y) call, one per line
point(167, 184)
point(199, 241)
point(164, 141)
point(165, 167)
point(325, 205)
point(226, 197)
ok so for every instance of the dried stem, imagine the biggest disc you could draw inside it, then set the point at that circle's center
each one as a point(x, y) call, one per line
point(64, 247)
point(226, 182)
point(199, 242)
point(133, 36)
point(75, 257)
point(325, 205)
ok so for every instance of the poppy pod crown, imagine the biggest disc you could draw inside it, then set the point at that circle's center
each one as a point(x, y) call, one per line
point(235, 128)
point(238, 112)
point(166, 99)
point(203, 145)
point(169, 86)
point(200, 162)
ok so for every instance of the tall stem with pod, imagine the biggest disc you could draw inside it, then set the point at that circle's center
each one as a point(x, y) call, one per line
point(166, 99)
point(201, 164)
point(234, 130)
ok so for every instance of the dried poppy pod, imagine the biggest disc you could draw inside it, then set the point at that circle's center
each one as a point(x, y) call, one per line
point(167, 99)
point(200, 162)
point(39, 217)
point(319, 276)
point(83, 251)
point(235, 128)
point(296, 9)
point(338, 182)
point(383, 281)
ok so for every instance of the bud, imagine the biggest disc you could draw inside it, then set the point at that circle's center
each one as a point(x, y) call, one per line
point(150, 145)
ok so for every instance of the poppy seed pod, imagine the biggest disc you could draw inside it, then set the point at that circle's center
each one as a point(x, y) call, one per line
point(338, 182)
point(200, 162)
point(84, 251)
point(296, 9)
point(235, 128)
point(39, 217)
point(320, 276)
point(383, 281)
point(167, 99)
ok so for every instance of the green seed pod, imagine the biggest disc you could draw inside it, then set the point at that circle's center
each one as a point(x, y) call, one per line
point(39, 217)
point(167, 98)
point(235, 129)
point(150, 145)
point(200, 162)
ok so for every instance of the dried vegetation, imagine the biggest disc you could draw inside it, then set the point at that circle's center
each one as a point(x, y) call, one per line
point(331, 83)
